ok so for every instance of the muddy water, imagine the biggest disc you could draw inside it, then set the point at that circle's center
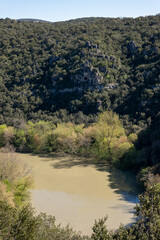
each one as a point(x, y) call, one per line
point(77, 192)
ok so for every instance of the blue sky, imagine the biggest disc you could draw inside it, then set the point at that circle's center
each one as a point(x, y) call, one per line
point(59, 10)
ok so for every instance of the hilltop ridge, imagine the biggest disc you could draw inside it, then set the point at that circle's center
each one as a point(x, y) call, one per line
point(32, 20)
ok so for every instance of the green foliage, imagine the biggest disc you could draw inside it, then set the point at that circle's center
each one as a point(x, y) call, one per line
point(100, 231)
point(50, 231)
point(147, 226)
point(20, 139)
point(78, 68)
point(111, 142)
point(16, 177)
point(17, 224)
point(67, 136)
point(21, 188)
point(5, 194)
point(127, 157)
point(2, 129)
point(109, 130)
point(24, 224)
point(132, 137)
point(148, 212)
point(104, 140)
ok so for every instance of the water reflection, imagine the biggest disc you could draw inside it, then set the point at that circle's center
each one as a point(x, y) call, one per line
point(124, 183)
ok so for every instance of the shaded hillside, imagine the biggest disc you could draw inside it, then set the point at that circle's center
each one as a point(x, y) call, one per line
point(74, 69)
point(31, 20)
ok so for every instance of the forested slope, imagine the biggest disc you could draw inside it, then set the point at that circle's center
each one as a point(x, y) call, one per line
point(72, 70)
point(78, 76)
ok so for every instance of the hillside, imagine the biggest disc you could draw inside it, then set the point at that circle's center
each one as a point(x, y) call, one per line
point(88, 87)
point(31, 20)
point(74, 69)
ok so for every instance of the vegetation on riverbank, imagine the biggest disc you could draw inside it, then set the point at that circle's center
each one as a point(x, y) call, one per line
point(107, 141)
point(104, 141)
point(147, 226)
point(24, 224)
point(15, 179)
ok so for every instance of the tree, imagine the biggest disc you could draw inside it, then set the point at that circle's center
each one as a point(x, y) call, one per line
point(16, 176)
point(17, 224)
point(111, 142)
point(100, 231)
point(2, 130)
point(148, 213)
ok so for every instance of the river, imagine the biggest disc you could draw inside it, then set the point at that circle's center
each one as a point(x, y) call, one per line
point(77, 192)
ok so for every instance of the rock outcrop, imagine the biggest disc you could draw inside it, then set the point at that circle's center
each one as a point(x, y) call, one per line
point(132, 47)
point(87, 77)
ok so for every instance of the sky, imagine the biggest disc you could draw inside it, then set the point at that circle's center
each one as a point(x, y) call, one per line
point(61, 10)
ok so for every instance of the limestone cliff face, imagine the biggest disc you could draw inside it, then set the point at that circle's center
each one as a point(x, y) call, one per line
point(132, 47)
point(91, 73)
point(87, 77)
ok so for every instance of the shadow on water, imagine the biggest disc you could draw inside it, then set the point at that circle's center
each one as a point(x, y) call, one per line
point(123, 182)
point(62, 160)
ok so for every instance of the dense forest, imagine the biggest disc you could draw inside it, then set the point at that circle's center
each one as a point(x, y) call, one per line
point(89, 87)
point(72, 70)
